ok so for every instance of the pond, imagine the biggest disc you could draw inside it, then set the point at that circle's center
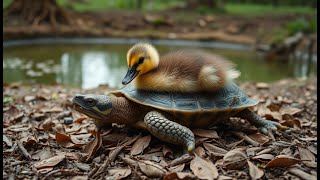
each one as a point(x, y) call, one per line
point(88, 63)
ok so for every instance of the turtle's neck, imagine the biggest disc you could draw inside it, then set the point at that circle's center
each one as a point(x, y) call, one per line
point(124, 111)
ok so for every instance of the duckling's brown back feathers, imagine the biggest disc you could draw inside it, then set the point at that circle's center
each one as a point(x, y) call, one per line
point(186, 70)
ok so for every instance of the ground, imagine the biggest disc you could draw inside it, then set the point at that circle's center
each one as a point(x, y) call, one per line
point(174, 23)
point(44, 137)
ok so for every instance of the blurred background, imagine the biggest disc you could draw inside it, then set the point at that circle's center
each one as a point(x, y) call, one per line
point(83, 43)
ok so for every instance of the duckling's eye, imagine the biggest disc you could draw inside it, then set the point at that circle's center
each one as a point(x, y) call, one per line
point(141, 60)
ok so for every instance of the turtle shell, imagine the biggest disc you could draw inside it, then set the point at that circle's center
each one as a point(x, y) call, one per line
point(229, 98)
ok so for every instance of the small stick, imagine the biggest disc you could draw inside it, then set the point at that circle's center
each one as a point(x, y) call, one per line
point(244, 137)
point(24, 151)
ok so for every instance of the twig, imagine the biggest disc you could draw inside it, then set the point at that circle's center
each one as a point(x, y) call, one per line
point(244, 137)
point(301, 174)
point(23, 150)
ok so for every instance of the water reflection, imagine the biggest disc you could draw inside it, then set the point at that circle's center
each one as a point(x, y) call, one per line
point(89, 65)
point(91, 69)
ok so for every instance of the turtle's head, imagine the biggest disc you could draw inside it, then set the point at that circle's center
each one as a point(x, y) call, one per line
point(141, 58)
point(94, 106)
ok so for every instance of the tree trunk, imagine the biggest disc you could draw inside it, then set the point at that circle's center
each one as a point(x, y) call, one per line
point(37, 11)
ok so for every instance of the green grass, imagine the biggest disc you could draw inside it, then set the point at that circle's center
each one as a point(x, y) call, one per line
point(256, 10)
point(159, 5)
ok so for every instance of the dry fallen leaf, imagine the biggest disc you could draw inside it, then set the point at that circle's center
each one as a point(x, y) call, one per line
point(65, 141)
point(214, 150)
point(200, 151)
point(205, 133)
point(167, 151)
point(151, 169)
point(203, 168)
point(260, 138)
point(305, 154)
point(140, 145)
point(182, 159)
point(51, 110)
point(303, 175)
point(6, 140)
point(254, 171)
point(177, 168)
point(289, 110)
point(50, 162)
point(119, 173)
point(179, 176)
point(282, 161)
point(235, 159)
point(263, 157)
point(92, 147)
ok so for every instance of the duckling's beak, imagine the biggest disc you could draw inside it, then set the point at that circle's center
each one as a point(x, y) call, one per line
point(131, 74)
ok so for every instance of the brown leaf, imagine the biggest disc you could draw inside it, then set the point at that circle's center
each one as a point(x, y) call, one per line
point(262, 85)
point(216, 151)
point(92, 147)
point(46, 125)
point(129, 161)
point(29, 98)
point(301, 174)
point(13, 114)
point(308, 139)
point(254, 171)
point(80, 139)
point(289, 110)
point(51, 110)
point(260, 138)
point(167, 152)
point(264, 157)
point(43, 154)
point(235, 159)
point(312, 149)
point(295, 123)
point(179, 176)
point(265, 151)
point(119, 173)
point(200, 151)
point(203, 168)
point(140, 145)
point(253, 151)
point(50, 162)
point(305, 154)
point(6, 140)
point(177, 168)
point(182, 159)
point(151, 169)
point(74, 128)
point(65, 141)
point(205, 133)
point(282, 161)
point(114, 153)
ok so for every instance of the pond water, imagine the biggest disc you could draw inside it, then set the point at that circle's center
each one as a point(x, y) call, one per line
point(88, 63)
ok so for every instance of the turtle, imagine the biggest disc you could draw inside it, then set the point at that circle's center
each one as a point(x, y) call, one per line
point(170, 115)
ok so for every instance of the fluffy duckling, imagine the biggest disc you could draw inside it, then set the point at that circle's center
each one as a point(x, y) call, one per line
point(181, 71)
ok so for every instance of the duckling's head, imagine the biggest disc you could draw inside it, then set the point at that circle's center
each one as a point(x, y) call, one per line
point(141, 58)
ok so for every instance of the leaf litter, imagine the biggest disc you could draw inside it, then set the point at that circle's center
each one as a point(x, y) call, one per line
point(45, 138)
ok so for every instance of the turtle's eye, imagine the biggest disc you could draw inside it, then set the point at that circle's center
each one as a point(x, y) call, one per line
point(141, 59)
point(91, 101)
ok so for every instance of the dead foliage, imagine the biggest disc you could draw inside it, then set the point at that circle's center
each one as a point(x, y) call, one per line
point(43, 137)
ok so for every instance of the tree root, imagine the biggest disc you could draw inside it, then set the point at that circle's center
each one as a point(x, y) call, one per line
point(38, 11)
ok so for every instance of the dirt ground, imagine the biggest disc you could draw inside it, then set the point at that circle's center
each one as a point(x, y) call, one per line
point(43, 137)
point(171, 24)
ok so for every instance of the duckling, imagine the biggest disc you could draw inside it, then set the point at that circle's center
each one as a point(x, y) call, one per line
point(184, 70)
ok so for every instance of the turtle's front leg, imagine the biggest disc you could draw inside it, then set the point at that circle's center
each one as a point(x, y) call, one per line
point(169, 131)
point(264, 125)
